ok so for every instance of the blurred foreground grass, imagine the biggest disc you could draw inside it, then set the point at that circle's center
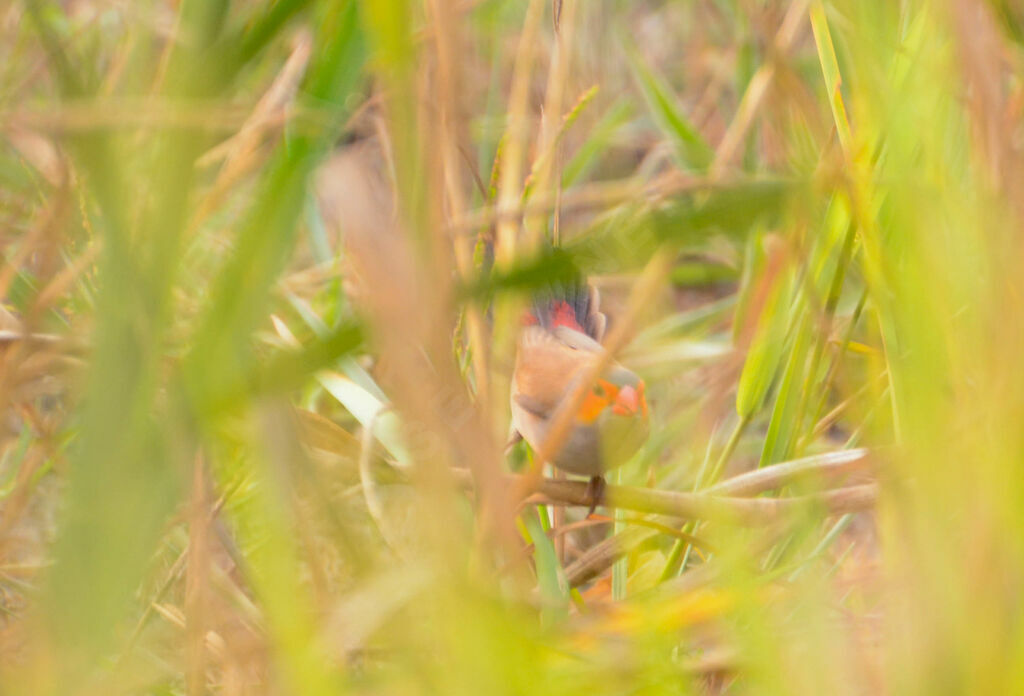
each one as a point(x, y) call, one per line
point(263, 266)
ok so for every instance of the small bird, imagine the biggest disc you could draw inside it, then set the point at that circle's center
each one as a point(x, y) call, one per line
point(560, 340)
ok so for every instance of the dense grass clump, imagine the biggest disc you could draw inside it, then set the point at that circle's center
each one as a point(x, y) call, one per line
point(264, 267)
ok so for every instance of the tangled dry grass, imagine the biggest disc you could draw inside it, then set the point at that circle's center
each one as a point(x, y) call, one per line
point(263, 270)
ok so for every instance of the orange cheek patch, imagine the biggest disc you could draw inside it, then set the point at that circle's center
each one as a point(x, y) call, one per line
point(610, 389)
point(591, 408)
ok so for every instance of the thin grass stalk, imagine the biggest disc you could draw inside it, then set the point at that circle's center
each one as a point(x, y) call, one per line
point(620, 568)
point(671, 568)
point(826, 541)
point(445, 20)
point(550, 140)
point(197, 576)
point(103, 546)
point(833, 368)
point(551, 122)
point(513, 150)
point(756, 91)
point(824, 329)
point(861, 189)
point(508, 170)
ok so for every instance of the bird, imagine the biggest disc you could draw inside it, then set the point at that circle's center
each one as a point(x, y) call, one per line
point(560, 339)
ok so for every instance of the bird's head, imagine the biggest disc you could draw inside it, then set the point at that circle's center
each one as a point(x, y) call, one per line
point(619, 393)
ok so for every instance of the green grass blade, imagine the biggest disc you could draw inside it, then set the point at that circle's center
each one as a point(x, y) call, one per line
point(692, 151)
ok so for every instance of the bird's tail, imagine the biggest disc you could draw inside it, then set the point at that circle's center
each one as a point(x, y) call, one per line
point(575, 304)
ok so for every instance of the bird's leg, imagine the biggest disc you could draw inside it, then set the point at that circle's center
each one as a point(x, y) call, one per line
point(595, 492)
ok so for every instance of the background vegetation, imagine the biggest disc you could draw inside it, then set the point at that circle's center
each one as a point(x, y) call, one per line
point(262, 272)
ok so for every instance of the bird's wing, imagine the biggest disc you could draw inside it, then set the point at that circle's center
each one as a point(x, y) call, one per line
point(529, 403)
point(545, 368)
point(576, 340)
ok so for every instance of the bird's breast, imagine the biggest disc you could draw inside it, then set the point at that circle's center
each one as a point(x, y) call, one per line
point(589, 450)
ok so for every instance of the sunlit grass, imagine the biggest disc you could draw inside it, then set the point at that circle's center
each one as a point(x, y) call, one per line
point(263, 270)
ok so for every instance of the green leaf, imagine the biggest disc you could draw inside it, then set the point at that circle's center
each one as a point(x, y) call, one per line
point(370, 412)
point(269, 230)
point(766, 349)
point(551, 266)
point(783, 427)
point(554, 589)
point(692, 151)
point(596, 143)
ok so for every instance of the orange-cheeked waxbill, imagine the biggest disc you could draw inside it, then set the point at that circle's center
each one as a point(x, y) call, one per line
point(560, 340)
